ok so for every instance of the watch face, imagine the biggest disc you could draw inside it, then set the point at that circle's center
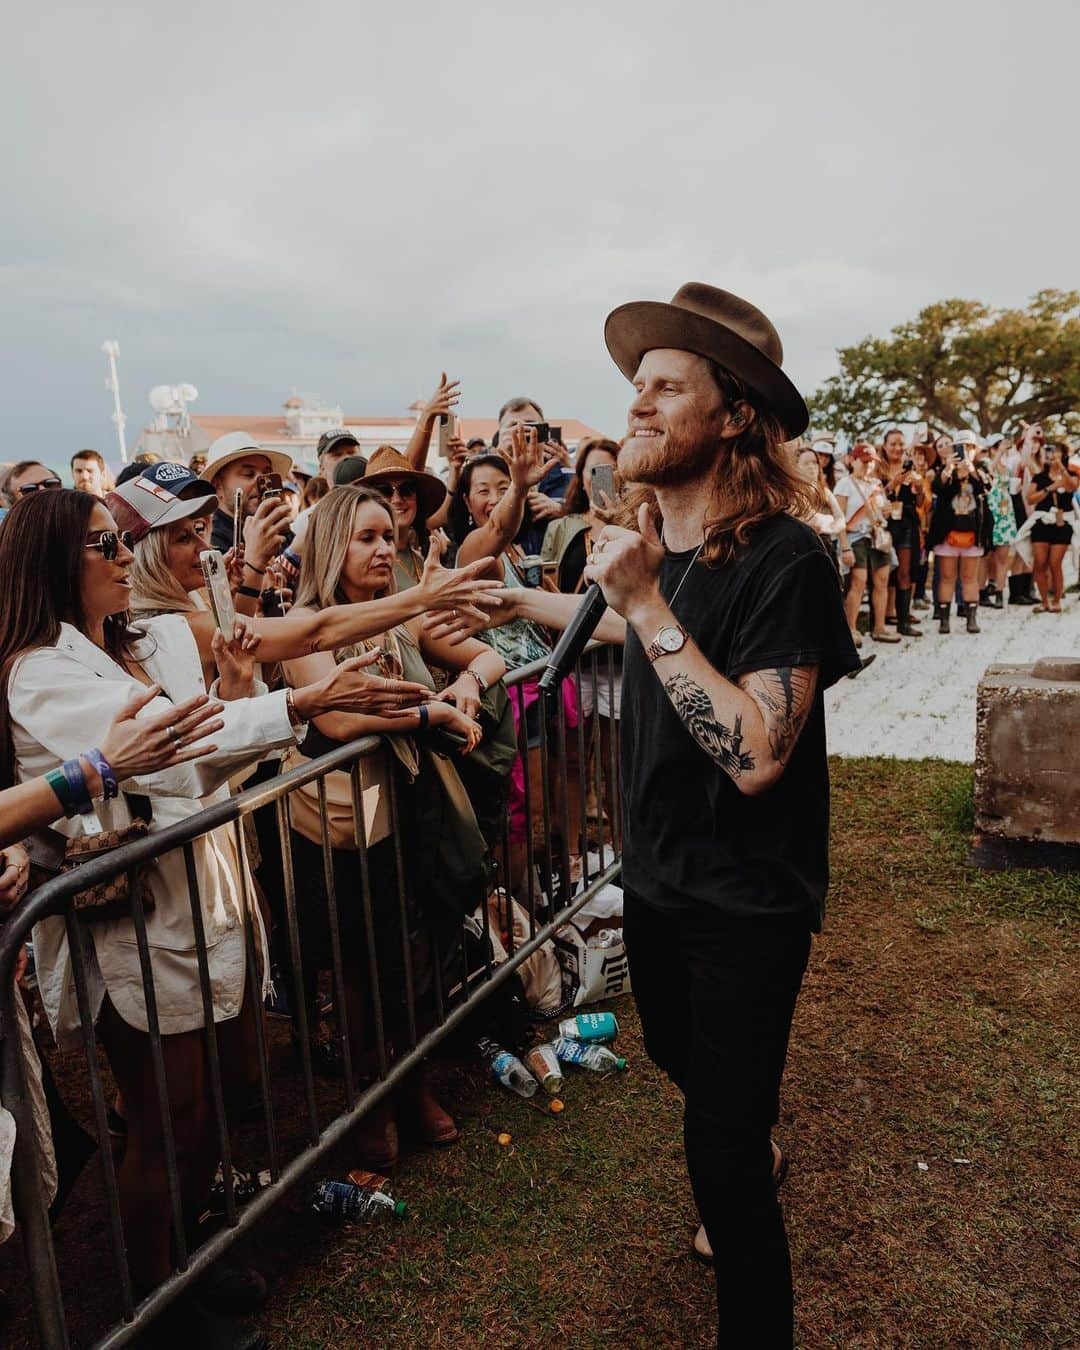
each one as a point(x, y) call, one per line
point(671, 639)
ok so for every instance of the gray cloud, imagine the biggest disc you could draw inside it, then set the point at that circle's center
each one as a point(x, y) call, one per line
point(258, 199)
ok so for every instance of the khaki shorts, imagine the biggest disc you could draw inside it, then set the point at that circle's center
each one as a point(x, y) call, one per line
point(867, 557)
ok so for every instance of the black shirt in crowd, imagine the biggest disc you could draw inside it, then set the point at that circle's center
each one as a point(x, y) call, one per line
point(1060, 500)
point(690, 835)
point(221, 531)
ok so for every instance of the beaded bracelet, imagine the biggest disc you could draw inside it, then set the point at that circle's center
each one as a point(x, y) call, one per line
point(76, 781)
point(105, 772)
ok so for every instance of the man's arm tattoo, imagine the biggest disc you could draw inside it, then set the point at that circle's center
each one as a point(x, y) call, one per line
point(722, 744)
point(785, 697)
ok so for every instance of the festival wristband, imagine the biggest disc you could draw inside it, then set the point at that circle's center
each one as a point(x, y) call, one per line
point(260, 571)
point(424, 716)
point(249, 591)
point(76, 781)
point(105, 772)
point(59, 784)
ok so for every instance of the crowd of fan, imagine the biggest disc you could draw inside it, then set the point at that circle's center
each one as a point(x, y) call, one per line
point(374, 596)
point(124, 709)
point(969, 518)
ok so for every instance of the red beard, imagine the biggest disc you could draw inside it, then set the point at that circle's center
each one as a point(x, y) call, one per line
point(678, 456)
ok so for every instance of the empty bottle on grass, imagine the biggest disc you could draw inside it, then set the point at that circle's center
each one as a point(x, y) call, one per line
point(543, 1063)
point(596, 1028)
point(507, 1068)
point(344, 1200)
point(596, 1057)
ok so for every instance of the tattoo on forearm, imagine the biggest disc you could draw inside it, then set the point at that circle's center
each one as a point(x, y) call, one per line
point(722, 744)
point(785, 697)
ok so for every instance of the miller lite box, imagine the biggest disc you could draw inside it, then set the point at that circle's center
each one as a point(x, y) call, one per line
point(592, 970)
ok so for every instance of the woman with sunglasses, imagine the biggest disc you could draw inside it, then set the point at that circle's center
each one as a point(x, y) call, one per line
point(69, 659)
point(26, 478)
point(416, 500)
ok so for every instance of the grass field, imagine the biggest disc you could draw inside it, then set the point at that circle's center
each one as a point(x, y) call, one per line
point(929, 1111)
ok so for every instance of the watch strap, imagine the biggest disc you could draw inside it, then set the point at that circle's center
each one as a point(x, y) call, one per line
point(654, 650)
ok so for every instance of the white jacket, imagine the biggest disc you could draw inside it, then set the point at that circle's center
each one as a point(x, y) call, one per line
point(62, 700)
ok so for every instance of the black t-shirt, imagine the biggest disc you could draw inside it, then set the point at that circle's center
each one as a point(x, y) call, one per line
point(1060, 500)
point(689, 834)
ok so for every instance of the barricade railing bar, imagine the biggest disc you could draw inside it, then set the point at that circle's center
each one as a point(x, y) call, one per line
point(565, 766)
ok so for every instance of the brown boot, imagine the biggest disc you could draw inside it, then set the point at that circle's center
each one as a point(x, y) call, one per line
point(375, 1138)
point(421, 1113)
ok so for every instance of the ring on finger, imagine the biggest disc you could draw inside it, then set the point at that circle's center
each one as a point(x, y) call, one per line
point(173, 734)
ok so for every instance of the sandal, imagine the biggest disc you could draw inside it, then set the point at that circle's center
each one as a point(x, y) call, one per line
point(700, 1249)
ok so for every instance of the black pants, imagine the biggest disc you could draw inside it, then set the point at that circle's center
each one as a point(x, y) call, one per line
point(716, 997)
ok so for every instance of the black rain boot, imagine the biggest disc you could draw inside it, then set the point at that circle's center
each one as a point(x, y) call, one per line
point(973, 619)
point(943, 616)
point(904, 626)
point(1027, 589)
point(984, 595)
point(997, 598)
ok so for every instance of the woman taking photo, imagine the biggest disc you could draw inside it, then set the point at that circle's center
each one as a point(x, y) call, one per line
point(906, 491)
point(862, 501)
point(487, 515)
point(567, 539)
point(349, 558)
point(69, 659)
point(961, 529)
point(1050, 497)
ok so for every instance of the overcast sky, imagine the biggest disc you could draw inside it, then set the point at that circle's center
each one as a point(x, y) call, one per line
point(262, 199)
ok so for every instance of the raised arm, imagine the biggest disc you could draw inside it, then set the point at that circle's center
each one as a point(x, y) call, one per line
point(440, 404)
point(525, 461)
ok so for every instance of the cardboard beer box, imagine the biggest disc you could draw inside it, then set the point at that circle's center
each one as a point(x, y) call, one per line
point(590, 974)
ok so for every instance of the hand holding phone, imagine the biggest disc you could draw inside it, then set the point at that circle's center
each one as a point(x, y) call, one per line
point(238, 521)
point(601, 486)
point(217, 589)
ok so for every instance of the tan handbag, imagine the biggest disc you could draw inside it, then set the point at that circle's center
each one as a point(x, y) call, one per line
point(374, 792)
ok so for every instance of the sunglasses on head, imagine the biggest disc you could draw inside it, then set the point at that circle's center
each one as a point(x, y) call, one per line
point(27, 488)
point(109, 541)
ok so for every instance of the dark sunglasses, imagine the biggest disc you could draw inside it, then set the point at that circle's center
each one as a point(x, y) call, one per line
point(27, 488)
point(109, 542)
point(403, 489)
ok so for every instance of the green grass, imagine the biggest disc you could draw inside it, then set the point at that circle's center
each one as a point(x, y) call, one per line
point(937, 1023)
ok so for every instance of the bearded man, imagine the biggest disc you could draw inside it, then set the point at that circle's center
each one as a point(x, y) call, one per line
point(734, 629)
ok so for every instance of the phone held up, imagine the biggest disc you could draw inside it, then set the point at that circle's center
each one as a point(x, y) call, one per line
point(217, 589)
point(268, 485)
point(238, 521)
point(446, 434)
point(601, 486)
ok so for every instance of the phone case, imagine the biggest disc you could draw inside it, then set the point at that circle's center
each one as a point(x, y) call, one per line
point(217, 590)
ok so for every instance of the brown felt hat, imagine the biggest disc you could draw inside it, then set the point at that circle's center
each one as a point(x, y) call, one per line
point(390, 465)
point(717, 325)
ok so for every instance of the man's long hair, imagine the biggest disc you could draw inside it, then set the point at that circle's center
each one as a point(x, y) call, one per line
point(754, 479)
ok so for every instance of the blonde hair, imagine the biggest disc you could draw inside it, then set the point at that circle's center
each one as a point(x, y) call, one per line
point(327, 545)
point(154, 587)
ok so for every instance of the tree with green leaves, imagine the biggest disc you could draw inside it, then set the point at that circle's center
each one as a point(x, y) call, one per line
point(962, 364)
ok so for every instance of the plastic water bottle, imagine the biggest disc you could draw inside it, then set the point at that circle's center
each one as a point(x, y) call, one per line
point(507, 1068)
point(596, 1057)
point(543, 1063)
point(607, 937)
point(596, 1028)
point(343, 1200)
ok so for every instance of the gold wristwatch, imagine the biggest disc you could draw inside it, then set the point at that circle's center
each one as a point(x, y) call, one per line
point(671, 638)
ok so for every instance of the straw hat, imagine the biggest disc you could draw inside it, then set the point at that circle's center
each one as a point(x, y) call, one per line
point(389, 465)
point(719, 326)
point(241, 445)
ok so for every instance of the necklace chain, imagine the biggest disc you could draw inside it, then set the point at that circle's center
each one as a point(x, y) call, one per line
point(693, 560)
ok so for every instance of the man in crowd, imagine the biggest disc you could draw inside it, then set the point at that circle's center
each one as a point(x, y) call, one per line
point(26, 477)
point(333, 447)
point(234, 464)
point(734, 629)
point(546, 498)
point(89, 473)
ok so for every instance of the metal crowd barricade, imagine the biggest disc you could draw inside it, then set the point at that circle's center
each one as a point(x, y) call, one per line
point(573, 763)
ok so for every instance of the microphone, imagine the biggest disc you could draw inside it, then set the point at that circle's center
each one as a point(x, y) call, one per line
point(575, 638)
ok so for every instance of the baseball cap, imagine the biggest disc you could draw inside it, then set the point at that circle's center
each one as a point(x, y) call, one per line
point(966, 437)
point(329, 440)
point(153, 498)
point(864, 452)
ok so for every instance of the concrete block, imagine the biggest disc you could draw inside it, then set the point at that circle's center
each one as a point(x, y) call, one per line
point(1027, 752)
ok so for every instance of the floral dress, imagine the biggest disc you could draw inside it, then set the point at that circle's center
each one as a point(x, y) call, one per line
point(1001, 508)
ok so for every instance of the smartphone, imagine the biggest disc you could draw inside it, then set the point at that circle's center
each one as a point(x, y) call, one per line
point(217, 590)
point(958, 452)
point(543, 431)
point(446, 434)
point(268, 485)
point(603, 481)
point(555, 434)
point(907, 464)
point(238, 521)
